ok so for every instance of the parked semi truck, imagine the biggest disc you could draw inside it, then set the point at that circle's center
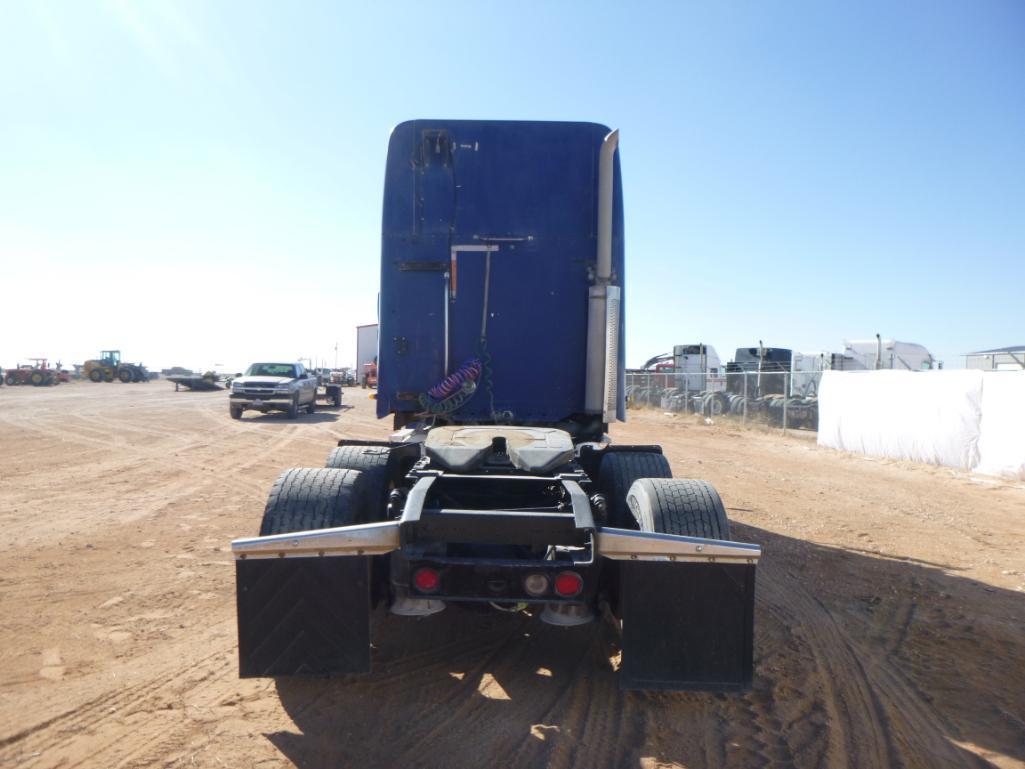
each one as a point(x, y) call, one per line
point(772, 383)
point(500, 488)
point(756, 383)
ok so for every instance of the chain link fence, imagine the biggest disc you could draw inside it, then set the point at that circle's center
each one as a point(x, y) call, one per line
point(784, 399)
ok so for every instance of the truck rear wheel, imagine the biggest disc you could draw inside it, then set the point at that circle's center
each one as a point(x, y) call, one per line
point(678, 506)
point(306, 498)
point(374, 462)
point(617, 473)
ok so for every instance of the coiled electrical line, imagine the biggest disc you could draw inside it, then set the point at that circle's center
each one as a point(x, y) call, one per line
point(453, 391)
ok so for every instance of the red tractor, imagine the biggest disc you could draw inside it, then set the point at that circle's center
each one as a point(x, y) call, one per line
point(369, 375)
point(38, 374)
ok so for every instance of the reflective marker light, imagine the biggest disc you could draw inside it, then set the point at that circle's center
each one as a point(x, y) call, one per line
point(426, 580)
point(535, 584)
point(568, 584)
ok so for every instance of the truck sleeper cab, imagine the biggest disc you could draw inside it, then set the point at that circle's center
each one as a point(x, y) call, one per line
point(500, 487)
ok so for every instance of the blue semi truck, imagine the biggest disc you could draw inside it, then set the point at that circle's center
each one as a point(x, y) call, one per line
point(501, 363)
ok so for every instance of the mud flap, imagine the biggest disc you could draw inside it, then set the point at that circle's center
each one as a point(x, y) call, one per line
point(303, 616)
point(687, 626)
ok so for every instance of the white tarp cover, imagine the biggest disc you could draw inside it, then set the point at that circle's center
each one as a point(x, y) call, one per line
point(1002, 439)
point(924, 416)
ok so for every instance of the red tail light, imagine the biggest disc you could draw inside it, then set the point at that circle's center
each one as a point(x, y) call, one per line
point(568, 584)
point(426, 580)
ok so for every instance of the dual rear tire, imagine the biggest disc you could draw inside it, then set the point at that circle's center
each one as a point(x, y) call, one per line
point(641, 493)
point(306, 498)
point(353, 488)
point(678, 506)
point(375, 462)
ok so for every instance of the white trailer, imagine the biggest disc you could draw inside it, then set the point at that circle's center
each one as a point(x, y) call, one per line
point(366, 346)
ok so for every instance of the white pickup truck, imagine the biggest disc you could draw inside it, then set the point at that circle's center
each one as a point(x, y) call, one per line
point(265, 387)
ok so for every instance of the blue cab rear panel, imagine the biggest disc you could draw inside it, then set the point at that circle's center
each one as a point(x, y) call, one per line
point(524, 196)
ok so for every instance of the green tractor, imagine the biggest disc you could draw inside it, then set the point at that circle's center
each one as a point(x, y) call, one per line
point(109, 367)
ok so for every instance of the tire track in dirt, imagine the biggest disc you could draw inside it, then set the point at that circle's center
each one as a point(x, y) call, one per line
point(55, 741)
point(876, 717)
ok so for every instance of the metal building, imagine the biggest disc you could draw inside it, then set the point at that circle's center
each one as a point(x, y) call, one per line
point(1000, 359)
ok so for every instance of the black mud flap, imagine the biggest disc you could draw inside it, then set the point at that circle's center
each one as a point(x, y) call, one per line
point(687, 626)
point(303, 616)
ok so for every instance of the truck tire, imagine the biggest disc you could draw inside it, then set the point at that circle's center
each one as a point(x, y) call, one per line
point(335, 393)
point(293, 407)
point(617, 473)
point(720, 404)
point(311, 408)
point(125, 375)
point(95, 375)
point(375, 463)
point(235, 411)
point(306, 498)
point(678, 506)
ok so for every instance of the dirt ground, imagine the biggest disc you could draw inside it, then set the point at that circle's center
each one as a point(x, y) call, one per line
point(889, 617)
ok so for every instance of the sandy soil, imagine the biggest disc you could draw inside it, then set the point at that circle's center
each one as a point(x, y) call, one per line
point(890, 611)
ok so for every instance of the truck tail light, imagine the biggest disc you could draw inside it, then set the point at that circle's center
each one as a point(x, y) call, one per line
point(568, 584)
point(426, 580)
point(535, 584)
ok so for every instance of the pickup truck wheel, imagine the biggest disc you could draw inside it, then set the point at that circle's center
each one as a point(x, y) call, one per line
point(312, 408)
point(306, 498)
point(293, 407)
point(617, 473)
point(374, 462)
point(678, 506)
point(235, 411)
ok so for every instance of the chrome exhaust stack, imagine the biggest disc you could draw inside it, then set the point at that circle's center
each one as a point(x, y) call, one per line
point(600, 390)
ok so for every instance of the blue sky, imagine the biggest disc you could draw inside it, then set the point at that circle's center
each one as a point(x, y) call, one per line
point(184, 180)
